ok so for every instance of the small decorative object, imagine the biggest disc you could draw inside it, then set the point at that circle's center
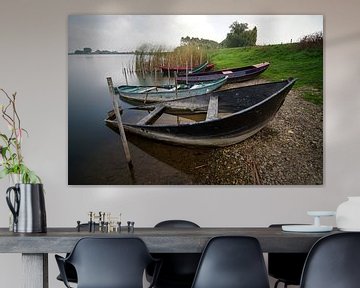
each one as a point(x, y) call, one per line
point(348, 214)
point(131, 226)
point(104, 220)
point(316, 227)
point(27, 204)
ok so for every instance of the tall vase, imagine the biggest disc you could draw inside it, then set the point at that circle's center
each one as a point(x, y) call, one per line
point(27, 204)
point(348, 214)
point(13, 179)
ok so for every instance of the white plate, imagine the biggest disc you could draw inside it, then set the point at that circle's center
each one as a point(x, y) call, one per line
point(350, 229)
point(306, 228)
point(321, 213)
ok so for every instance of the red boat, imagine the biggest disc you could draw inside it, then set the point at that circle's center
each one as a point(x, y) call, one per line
point(234, 74)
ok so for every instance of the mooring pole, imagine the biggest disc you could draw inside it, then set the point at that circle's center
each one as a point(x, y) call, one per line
point(118, 118)
point(176, 88)
point(143, 70)
point(125, 76)
point(169, 72)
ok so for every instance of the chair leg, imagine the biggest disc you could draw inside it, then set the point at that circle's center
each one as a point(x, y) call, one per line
point(279, 281)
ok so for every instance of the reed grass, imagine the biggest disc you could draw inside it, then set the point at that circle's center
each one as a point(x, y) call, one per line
point(149, 58)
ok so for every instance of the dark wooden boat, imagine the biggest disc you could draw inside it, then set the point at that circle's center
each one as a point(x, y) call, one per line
point(227, 116)
point(181, 70)
point(234, 74)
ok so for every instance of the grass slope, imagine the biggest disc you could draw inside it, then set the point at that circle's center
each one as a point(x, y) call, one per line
point(286, 60)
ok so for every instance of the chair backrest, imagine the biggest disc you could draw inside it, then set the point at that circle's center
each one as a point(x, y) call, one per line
point(110, 262)
point(176, 224)
point(232, 262)
point(178, 269)
point(333, 262)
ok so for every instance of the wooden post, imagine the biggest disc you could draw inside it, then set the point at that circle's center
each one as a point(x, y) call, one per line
point(125, 76)
point(143, 70)
point(118, 118)
point(176, 90)
point(169, 72)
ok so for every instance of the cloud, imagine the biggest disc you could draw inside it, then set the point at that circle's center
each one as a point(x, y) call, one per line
point(127, 32)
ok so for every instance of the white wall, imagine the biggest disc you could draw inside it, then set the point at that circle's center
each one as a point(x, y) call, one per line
point(33, 62)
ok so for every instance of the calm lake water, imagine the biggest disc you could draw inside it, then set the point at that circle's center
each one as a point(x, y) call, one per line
point(96, 156)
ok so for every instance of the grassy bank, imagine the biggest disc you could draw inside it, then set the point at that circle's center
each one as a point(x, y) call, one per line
point(287, 60)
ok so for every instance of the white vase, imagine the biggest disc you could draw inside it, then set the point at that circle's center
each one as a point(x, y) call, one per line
point(14, 179)
point(348, 214)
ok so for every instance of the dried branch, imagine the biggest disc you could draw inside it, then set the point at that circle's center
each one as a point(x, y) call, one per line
point(12, 159)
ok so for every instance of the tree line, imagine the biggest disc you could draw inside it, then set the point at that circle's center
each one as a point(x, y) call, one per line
point(239, 36)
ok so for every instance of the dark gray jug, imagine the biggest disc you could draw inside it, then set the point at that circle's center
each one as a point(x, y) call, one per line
point(28, 208)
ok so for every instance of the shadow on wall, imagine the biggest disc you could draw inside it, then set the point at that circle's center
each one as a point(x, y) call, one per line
point(344, 39)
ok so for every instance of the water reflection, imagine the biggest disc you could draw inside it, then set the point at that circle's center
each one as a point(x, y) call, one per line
point(182, 158)
point(95, 153)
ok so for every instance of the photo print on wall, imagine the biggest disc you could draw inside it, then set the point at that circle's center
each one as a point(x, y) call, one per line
point(195, 100)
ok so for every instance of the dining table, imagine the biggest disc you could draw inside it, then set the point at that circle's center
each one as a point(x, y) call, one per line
point(35, 247)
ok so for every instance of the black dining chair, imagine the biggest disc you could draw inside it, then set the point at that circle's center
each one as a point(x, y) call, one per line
point(286, 267)
point(333, 262)
point(108, 263)
point(232, 262)
point(178, 269)
point(70, 271)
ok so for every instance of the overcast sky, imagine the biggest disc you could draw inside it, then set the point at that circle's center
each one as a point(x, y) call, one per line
point(128, 32)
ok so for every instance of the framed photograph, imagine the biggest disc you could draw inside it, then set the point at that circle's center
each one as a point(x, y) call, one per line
point(195, 100)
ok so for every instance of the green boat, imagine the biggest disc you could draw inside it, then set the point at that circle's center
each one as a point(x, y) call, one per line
point(155, 94)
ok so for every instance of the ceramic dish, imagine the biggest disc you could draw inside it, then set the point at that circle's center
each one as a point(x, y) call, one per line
point(306, 228)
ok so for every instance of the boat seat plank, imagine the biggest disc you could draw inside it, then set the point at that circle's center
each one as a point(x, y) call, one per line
point(154, 113)
point(213, 108)
point(147, 90)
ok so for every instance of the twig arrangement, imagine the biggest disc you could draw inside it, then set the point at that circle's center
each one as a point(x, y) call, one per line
point(11, 157)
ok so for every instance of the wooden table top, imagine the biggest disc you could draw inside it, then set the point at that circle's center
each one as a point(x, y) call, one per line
point(158, 240)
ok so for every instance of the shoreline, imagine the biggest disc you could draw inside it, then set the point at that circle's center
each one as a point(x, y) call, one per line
point(288, 151)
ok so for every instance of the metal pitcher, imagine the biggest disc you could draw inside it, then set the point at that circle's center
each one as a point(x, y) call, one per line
point(28, 207)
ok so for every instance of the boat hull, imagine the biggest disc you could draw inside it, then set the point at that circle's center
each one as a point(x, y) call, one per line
point(183, 70)
point(234, 75)
point(154, 96)
point(229, 130)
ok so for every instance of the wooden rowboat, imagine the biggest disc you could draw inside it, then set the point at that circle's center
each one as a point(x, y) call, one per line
point(234, 74)
point(227, 116)
point(153, 94)
point(181, 70)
